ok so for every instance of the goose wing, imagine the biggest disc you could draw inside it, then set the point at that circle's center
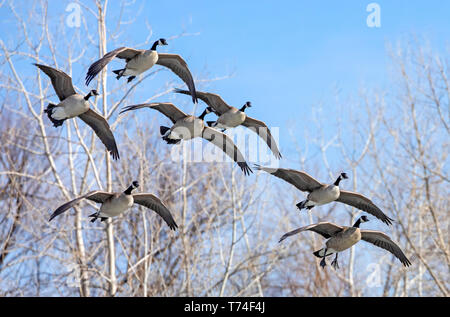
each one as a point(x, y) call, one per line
point(97, 195)
point(121, 52)
point(214, 101)
point(301, 180)
point(264, 133)
point(227, 145)
point(177, 65)
point(363, 203)
point(326, 229)
point(62, 83)
point(154, 203)
point(166, 108)
point(101, 127)
point(381, 240)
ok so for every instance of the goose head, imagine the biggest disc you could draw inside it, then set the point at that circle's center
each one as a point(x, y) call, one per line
point(360, 221)
point(93, 92)
point(248, 104)
point(135, 184)
point(340, 177)
point(161, 41)
point(207, 110)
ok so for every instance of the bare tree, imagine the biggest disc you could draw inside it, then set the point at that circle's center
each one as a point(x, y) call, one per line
point(393, 143)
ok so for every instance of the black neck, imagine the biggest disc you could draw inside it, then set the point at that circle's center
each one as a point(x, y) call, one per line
point(89, 95)
point(154, 45)
point(128, 190)
point(357, 223)
point(338, 180)
point(202, 116)
point(243, 108)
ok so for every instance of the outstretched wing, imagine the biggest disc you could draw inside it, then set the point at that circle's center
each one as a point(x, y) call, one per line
point(121, 52)
point(154, 203)
point(264, 133)
point(227, 145)
point(62, 83)
point(301, 180)
point(177, 65)
point(325, 229)
point(102, 129)
point(97, 195)
point(363, 203)
point(166, 108)
point(214, 101)
point(381, 240)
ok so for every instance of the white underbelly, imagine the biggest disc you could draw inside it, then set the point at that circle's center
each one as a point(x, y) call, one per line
point(141, 63)
point(231, 119)
point(221, 126)
point(329, 251)
point(187, 130)
point(70, 107)
point(116, 206)
point(179, 133)
point(324, 196)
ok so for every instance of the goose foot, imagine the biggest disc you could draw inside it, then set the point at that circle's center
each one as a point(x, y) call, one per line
point(335, 264)
point(323, 263)
point(301, 205)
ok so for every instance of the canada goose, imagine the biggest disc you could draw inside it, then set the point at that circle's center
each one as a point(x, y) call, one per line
point(75, 105)
point(321, 194)
point(115, 204)
point(186, 127)
point(231, 117)
point(341, 238)
point(138, 61)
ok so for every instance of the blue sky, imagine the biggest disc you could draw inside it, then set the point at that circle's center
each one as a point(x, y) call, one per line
point(285, 56)
point(289, 55)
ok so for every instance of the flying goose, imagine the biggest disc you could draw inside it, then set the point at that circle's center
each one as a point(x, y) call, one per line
point(321, 194)
point(186, 127)
point(75, 105)
point(341, 238)
point(138, 61)
point(231, 117)
point(115, 204)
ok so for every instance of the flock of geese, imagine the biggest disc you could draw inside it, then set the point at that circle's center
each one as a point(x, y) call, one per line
point(186, 127)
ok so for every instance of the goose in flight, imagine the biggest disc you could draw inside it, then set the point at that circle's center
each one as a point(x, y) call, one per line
point(186, 127)
point(138, 61)
point(75, 105)
point(341, 238)
point(321, 194)
point(115, 204)
point(231, 117)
